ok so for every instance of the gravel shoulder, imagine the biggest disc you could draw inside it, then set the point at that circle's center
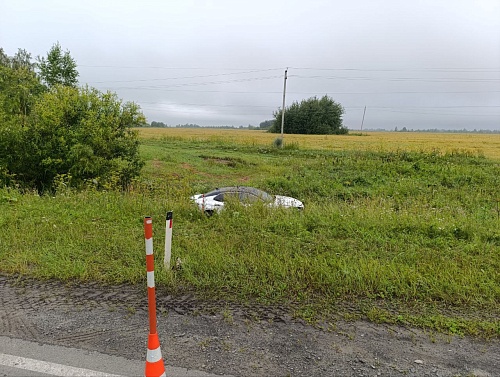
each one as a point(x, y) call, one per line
point(226, 339)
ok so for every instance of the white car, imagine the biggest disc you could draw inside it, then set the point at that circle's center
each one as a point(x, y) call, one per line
point(213, 201)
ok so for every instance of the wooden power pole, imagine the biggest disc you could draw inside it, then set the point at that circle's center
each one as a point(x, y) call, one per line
point(363, 121)
point(283, 108)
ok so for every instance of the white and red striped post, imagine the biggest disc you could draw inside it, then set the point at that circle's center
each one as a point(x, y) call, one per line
point(168, 240)
point(154, 361)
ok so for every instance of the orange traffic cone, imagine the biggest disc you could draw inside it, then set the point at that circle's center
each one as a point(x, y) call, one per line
point(154, 362)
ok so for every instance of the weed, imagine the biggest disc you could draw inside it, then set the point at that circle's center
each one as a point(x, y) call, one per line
point(205, 343)
point(227, 315)
point(347, 335)
point(226, 346)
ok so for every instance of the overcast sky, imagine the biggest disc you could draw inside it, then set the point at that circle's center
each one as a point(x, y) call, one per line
point(416, 64)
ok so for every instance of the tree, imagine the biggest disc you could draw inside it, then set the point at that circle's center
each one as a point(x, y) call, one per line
point(311, 116)
point(158, 124)
point(19, 86)
point(4, 59)
point(58, 68)
point(81, 135)
point(266, 124)
point(59, 132)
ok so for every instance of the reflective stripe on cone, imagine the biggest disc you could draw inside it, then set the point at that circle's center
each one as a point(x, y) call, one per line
point(154, 361)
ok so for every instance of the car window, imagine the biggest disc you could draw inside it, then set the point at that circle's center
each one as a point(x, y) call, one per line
point(231, 196)
point(247, 197)
point(212, 193)
point(262, 195)
point(243, 194)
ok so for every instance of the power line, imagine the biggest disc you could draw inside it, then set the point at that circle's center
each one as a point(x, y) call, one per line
point(205, 104)
point(181, 78)
point(199, 83)
point(439, 113)
point(431, 79)
point(177, 68)
point(436, 79)
point(470, 69)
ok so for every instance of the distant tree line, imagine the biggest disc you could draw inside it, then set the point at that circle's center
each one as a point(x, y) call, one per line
point(190, 125)
point(436, 130)
point(266, 124)
point(158, 124)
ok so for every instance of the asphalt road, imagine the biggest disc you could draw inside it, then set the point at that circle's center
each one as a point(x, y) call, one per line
point(25, 358)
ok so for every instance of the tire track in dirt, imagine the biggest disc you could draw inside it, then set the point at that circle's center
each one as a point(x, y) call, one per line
point(57, 295)
point(18, 325)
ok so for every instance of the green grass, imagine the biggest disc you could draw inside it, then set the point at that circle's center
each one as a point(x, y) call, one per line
point(402, 237)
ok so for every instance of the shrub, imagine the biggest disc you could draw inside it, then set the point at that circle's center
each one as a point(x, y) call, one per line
point(311, 116)
point(80, 133)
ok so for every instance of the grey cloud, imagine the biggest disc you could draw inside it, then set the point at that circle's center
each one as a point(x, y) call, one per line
point(426, 64)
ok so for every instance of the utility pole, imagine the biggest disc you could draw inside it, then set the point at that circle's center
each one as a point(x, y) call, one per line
point(283, 108)
point(363, 121)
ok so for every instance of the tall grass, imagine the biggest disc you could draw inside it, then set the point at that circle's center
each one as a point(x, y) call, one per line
point(397, 227)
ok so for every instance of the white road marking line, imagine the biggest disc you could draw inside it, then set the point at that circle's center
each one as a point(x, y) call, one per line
point(49, 368)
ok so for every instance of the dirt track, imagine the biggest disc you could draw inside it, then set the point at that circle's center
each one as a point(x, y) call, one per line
point(231, 339)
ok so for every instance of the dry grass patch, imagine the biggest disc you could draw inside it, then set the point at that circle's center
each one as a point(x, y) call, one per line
point(475, 144)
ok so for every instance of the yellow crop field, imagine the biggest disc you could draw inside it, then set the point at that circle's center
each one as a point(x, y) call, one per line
point(477, 144)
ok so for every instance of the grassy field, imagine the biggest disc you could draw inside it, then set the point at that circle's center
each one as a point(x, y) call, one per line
point(406, 233)
point(487, 145)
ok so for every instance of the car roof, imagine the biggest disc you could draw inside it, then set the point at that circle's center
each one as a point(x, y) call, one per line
point(250, 190)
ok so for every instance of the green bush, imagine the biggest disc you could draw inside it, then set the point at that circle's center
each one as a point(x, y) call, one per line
point(311, 116)
point(82, 134)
